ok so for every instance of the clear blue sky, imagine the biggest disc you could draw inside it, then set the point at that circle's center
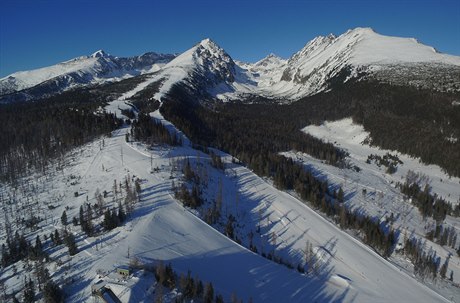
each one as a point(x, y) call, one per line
point(37, 33)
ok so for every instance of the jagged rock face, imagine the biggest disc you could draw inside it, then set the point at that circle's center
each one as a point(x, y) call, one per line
point(216, 64)
point(199, 70)
point(269, 63)
point(357, 52)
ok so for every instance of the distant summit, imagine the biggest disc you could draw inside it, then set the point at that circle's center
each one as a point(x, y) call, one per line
point(96, 68)
point(209, 72)
point(100, 54)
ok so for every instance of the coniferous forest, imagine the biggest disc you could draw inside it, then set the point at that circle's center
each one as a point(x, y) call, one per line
point(406, 119)
point(414, 121)
point(256, 134)
point(34, 134)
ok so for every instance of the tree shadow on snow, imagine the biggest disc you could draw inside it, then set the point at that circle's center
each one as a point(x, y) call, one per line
point(252, 276)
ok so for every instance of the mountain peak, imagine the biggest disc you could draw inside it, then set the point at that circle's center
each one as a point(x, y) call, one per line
point(210, 45)
point(208, 42)
point(270, 61)
point(272, 55)
point(361, 30)
point(207, 49)
point(100, 54)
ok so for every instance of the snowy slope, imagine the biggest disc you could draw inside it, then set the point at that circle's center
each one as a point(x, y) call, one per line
point(350, 136)
point(359, 49)
point(373, 191)
point(265, 69)
point(206, 70)
point(202, 67)
point(96, 68)
point(353, 53)
point(161, 229)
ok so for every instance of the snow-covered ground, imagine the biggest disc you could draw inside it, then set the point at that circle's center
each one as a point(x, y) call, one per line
point(374, 191)
point(349, 136)
point(161, 229)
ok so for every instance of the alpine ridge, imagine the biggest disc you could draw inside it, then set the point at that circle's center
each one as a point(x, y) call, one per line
point(201, 68)
point(207, 72)
point(360, 52)
point(96, 68)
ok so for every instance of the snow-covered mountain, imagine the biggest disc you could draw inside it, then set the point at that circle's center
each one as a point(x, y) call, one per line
point(201, 68)
point(207, 71)
point(96, 68)
point(325, 60)
point(357, 50)
point(356, 53)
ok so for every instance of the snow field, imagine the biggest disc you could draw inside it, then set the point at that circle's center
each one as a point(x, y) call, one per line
point(160, 228)
point(374, 191)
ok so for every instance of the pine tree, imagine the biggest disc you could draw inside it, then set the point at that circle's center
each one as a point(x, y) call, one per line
point(52, 293)
point(198, 288)
point(340, 195)
point(5, 256)
point(38, 249)
point(309, 255)
point(137, 184)
point(57, 238)
point(107, 223)
point(219, 196)
point(115, 191)
point(159, 294)
point(3, 290)
point(42, 274)
point(208, 296)
point(229, 227)
point(121, 213)
point(70, 242)
point(89, 220)
point(443, 270)
point(99, 201)
point(64, 218)
point(82, 218)
point(219, 299)
point(29, 292)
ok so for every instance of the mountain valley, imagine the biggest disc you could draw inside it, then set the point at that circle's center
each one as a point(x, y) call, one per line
point(330, 176)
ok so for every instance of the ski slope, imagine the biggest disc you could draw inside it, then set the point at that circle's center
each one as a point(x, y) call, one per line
point(163, 230)
point(160, 228)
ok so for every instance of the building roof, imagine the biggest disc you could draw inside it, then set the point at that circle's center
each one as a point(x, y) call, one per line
point(98, 285)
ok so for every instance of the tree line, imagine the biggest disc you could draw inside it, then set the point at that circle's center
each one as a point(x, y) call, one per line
point(152, 131)
point(34, 134)
point(419, 122)
point(429, 205)
point(190, 288)
point(255, 135)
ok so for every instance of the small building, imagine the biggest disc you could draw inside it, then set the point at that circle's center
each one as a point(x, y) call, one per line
point(102, 293)
point(105, 295)
point(98, 286)
point(125, 271)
